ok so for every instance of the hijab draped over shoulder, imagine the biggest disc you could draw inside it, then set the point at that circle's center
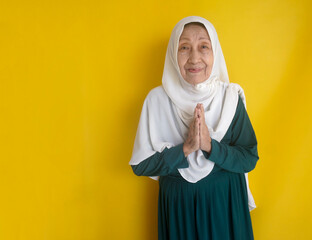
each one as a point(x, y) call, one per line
point(169, 109)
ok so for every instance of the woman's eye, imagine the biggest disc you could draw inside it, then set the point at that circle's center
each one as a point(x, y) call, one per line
point(183, 48)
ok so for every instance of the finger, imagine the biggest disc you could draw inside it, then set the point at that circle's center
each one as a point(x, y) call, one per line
point(195, 112)
point(198, 109)
point(196, 127)
point(198, 112)
point(202, 111)
point(195, 121)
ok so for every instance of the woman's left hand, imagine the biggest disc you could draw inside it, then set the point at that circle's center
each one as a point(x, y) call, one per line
point(205, 139)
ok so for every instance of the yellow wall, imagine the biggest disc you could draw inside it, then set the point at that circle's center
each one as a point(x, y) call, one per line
point(74, 75)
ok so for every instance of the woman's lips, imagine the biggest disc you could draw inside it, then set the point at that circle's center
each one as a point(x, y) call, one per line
point(194, 70)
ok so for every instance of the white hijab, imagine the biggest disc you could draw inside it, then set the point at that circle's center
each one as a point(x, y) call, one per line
point(168, 110)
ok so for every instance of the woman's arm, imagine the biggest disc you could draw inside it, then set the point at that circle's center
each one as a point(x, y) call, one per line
point(162, 163)
point(241, 155)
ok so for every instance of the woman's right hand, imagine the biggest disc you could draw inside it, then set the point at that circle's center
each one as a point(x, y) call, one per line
point(192, 143)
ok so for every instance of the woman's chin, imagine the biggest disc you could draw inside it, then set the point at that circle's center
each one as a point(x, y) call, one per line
point(196, 81)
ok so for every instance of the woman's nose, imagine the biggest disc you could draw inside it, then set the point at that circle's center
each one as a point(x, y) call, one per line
point(194, 57)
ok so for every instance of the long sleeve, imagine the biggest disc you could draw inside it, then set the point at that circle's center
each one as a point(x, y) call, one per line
point(162, 163)
point(240, 154)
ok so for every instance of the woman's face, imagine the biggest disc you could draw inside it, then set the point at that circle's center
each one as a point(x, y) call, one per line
point(195, 56)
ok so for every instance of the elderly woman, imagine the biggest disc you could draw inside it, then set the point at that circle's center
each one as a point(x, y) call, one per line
point(195, 136)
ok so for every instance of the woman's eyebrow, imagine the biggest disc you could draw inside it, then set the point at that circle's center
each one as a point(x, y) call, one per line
point(185, 38)
point(205, 38)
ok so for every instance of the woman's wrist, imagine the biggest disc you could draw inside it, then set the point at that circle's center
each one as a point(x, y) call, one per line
point(185, 150)
point(207, 145)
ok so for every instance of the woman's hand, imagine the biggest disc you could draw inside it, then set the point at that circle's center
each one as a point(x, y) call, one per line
point(192, 143)
point(205, 139)
point(198, 136)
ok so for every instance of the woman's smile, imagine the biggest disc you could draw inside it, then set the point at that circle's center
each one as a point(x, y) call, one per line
point(195, 70)
point(195, 56)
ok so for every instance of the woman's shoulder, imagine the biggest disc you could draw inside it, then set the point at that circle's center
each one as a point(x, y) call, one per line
point(156, 94)
point(235, 90)
point(235, 87)
point(229, 87)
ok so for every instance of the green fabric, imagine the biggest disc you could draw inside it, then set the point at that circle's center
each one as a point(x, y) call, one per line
point(237, 151)
point(216, 207)
point(162, 163)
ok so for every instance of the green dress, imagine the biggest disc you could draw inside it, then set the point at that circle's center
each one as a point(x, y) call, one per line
point(216, 207)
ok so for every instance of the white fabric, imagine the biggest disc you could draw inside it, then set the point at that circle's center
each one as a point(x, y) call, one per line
point(168, 110)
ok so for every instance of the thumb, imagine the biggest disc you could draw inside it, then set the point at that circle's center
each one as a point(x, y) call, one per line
point(202, 113)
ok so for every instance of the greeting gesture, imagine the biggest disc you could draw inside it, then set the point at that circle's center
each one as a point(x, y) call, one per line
point(198, 136)
point(192, 143)
point(204, 136)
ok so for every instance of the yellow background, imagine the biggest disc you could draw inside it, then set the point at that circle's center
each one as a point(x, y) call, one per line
point(74, 75)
